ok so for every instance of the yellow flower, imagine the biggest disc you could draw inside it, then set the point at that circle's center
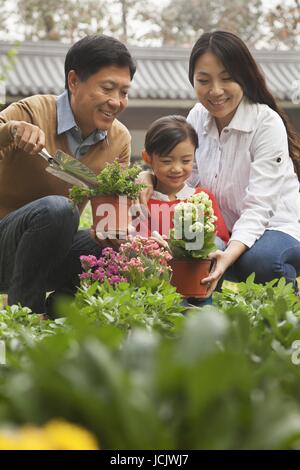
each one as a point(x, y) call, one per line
point(55, 435)
point(68, 436)
point(27, 438)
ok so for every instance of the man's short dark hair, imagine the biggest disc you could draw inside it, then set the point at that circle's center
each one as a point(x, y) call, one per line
point(90, 54)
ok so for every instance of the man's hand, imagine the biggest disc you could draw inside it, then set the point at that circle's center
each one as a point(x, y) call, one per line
point(146, 178)
point(104, 242)
point(27, 137)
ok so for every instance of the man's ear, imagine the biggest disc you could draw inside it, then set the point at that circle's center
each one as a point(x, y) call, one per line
point(72, 80)
point(146, 157)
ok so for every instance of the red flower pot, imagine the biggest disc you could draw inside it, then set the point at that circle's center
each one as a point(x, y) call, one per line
point(111, 215)
point(187, 274)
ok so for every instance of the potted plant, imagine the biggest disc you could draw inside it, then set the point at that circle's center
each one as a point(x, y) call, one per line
point(191, 240)
point(111, 198)
point(139, 261)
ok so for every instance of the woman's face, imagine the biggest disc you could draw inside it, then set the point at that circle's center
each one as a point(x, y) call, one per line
point(215, 89)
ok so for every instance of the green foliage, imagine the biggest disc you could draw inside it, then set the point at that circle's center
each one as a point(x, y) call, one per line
point(6, 65)
point(151, 306)
point(9, 63)
point(144, 391)
point(225, 380)
point(20, 327)
point(193, 235)
point(114, 180)
point(267, 316)
point(179, 251)
point(86, 217)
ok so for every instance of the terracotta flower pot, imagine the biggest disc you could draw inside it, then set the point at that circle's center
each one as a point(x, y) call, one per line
point(187, 274)
point(111, 215)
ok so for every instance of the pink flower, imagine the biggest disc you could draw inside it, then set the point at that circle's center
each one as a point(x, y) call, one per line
point(116, 279)
point(85, 276)
point(98, 275)
point(88, 262)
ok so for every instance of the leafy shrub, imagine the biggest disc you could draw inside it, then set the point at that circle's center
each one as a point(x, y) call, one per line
point(225, 380)
point(113, 180)
point(127, 306)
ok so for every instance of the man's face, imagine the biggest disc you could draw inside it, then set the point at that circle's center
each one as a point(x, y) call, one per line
point(97, 101)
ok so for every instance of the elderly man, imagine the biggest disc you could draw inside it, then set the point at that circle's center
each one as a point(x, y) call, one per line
point(40, 243)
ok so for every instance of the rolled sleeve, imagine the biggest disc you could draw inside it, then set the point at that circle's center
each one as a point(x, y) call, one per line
point(270, 161)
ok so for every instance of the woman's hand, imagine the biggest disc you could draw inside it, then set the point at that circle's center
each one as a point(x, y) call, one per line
point(223, 260)
point(221, 265)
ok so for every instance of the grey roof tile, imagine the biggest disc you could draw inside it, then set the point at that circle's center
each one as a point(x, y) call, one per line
point(161, 72)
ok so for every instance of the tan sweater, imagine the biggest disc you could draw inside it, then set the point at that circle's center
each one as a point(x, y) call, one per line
point(23, 178)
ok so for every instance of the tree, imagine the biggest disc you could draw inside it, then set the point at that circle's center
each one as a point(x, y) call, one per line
point(71, 19)
point(62, 19)
point(284, 22)
point(183, 21)
point(137, 20)
point(4, 14)
point(7, 61)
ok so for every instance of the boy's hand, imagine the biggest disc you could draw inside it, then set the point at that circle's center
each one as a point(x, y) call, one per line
point(27, 137)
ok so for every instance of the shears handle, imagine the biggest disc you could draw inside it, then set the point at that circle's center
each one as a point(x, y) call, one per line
point(46, 155)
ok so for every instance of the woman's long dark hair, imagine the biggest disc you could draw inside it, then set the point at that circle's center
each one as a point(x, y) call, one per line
point(243, 69)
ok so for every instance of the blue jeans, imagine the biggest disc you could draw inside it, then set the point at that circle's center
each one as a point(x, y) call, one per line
point(273, 256)
point(40, 249)
point(193, 301)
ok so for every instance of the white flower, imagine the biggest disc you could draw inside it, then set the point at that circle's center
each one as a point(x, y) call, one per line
point(179, 207)
point(197, 227)
point(209, 227)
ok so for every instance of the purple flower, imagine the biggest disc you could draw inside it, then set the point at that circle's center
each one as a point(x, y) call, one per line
point(88, 262)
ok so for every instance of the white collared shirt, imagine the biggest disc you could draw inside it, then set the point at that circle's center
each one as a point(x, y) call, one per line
point(249, 170)
point(185, 192)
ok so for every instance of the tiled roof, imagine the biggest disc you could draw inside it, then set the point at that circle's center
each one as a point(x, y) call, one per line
point(161, 72)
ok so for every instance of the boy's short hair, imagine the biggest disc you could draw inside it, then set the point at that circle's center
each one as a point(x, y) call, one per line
point(90, 54)
point(167, 132)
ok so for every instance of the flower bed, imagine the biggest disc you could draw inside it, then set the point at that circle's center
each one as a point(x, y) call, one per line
point(226, 378)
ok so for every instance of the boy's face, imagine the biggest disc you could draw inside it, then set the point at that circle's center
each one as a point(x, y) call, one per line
point(97, 101)
point(174, 169)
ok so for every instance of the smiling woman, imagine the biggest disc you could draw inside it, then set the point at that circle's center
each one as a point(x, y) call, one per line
point(247, 157)
point(216, 89)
